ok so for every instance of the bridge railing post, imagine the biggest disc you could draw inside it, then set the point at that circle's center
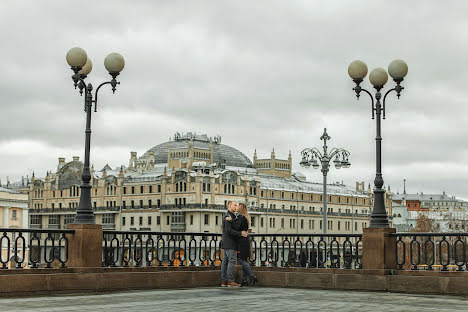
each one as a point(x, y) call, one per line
point(85, 246)
point(378, 249)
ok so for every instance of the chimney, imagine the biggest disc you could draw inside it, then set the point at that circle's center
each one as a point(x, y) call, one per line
point(61, 163)
point(133, 158)
point(76, 158)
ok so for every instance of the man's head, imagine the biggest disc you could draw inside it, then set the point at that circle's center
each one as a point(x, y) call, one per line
point(232, 206)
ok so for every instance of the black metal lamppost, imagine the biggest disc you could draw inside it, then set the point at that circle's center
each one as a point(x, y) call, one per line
point(82, 66)
point(312, 156)
point(378, 77)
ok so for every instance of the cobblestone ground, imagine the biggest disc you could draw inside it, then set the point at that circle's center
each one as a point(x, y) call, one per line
point(237, 299)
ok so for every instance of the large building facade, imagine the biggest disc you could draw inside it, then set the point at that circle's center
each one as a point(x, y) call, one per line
point(184, 185)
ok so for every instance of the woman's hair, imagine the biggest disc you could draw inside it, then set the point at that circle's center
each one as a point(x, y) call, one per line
point(243, 211)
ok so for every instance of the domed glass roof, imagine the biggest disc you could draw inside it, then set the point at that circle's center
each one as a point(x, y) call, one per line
point(222, 154)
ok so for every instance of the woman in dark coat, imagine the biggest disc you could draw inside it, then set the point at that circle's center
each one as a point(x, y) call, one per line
point(241, 223)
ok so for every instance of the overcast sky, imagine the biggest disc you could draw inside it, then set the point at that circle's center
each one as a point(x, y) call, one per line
point(262, 74)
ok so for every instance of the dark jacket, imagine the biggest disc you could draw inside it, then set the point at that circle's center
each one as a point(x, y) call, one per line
point(230, 235)
point(241, 224)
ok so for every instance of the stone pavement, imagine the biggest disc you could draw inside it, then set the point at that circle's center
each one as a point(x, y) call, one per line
point(237, 299)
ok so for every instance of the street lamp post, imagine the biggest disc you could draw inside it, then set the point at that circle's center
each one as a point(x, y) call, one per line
point(312, 157)
point(82, 66)
point(378, 77)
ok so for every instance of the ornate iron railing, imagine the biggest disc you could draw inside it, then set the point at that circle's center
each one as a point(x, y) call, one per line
point(430, 251)
point(33, 248)
point(144, 248)
point(307, 250)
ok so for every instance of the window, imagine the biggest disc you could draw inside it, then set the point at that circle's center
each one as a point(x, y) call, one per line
point(207, 219)
point(261, 222)
point(159, 188)
point(35, 221)
point(252, 221)
point(54, 221)
point(133, 190)
point(108, 218)
point(168, 220)
point(68, 219)
point(132, 220)
point(302, 223)
point(133, 204)
point(321, 225)
point(217, 220)
point(123, 204)
point(282, 222)
point(141, 203)
point(149, 203)
point(125, 190)
point(142, 190)
point(158, 220)
point(149, 220)
point(123, 220)
point(355, 226)
point(159, 202)
point(339, 225)
point(191, 219)
point(141, 220)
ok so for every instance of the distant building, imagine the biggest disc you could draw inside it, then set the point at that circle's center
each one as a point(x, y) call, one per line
point(13, 214)
point(184, 185)
point(446, 212)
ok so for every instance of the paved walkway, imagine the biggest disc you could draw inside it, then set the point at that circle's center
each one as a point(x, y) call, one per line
point(237, 299)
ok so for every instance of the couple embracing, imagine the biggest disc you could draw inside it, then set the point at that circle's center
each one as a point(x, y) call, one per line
point(236, 241)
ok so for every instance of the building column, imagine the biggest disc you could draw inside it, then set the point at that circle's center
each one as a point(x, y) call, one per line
point(5, 216)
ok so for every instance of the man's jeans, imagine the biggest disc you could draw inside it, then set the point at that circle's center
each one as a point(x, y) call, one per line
point(227, 266)
point(246, 271)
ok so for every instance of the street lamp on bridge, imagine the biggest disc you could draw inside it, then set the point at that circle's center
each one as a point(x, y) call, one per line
point(312, 157)
point(82, 66)
point(378, 77)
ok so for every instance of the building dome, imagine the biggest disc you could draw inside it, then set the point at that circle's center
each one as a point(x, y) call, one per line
point(222, 154)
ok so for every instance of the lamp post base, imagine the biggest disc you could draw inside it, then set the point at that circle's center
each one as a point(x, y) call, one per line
point(85, 213)
point(379, 218)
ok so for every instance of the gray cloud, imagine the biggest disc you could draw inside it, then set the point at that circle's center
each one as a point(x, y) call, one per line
point(263, 75)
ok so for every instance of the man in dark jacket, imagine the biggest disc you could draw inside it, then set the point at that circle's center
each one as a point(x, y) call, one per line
point(230, 237)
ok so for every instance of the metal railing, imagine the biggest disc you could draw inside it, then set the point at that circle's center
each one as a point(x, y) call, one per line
point(33, 248)
point(145, 248)
point(307, 250)
point(431, 251)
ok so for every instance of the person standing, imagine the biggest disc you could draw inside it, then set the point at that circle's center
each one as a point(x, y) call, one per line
point(230, 240)
point(241, 223)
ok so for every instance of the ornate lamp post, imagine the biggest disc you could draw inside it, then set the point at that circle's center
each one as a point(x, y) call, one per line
point(312, 157)
point(82, 66)
point(378, 77)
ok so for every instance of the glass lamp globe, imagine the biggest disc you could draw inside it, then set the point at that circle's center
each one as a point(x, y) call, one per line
point(114, 63)
point(378, 77)
point(357, 69)
point(76, 57)
point(398, 69)
point(86, 69)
